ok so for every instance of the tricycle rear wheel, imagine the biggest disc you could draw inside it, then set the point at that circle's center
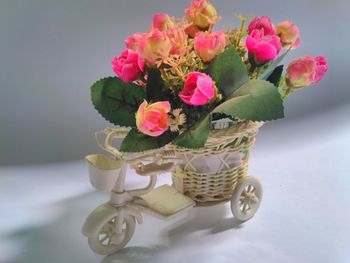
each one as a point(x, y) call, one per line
point(246, 198)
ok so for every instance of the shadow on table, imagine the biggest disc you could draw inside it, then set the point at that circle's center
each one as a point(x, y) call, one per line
point(134, 254)
point(212, 220)
point(59, 240)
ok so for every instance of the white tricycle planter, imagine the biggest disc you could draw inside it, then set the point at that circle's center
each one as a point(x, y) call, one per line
point(110, 226)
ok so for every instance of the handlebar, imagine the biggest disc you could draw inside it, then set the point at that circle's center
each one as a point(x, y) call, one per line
point(110, 135)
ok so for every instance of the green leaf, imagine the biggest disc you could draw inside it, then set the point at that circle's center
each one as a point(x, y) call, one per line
point(117, 101)
point(256, 100)
point(271, 67)
point(275, 76)
point(136, 141)
point(197, 136)
point(155, 85)
point(228, 71)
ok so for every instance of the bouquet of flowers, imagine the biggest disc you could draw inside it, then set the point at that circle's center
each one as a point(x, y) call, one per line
point(174, 80)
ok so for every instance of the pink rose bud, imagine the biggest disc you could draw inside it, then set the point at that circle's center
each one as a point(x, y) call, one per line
point(179, 41)
point(162, 22)
point(262, 23)
point(289, 34)
point(198, 90)
point(134, 41)
point(155, 47)
point(306, 71)
point(192, 30)
point(129, 66)
point(152, 119)
point(209, 45)
point(202, 14)
point(262, 48)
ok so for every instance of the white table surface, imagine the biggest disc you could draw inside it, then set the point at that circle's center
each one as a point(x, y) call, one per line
point(304, 217)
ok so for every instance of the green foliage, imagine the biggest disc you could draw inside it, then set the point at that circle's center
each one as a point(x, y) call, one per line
point(136, 141)
point(271, 67)
point(155, 86)
point(275, 76)
point(256, 100)
point(228, 71)
point(197, 136)
point(117, 101)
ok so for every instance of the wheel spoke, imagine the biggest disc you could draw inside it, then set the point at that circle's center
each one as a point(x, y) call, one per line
point(104, 239)
point(249, 206)
point(254, 200)
point(110, 240)
point(245, 208)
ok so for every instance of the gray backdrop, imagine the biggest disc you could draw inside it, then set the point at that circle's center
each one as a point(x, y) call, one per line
point(52, 51)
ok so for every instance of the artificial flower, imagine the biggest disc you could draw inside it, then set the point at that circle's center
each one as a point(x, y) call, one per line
point(129, 66)
point(262, 48)
point(209, 45)
point(152, 119)
point(306, 71)
point(198, 90)
point(289, 34)
point(155, 47)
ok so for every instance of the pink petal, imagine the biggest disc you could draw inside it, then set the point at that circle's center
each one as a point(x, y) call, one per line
point(206, 86)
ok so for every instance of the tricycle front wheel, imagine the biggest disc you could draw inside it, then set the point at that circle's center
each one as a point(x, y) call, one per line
point(107, 241)
point(246, 198)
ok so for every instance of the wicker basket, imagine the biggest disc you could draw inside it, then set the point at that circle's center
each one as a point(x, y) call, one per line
point(211, 187)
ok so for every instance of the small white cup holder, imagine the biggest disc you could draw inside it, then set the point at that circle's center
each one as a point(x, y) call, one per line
point(103, 171)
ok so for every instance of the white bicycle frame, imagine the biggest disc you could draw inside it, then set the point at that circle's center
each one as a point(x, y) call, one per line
point(125, 204)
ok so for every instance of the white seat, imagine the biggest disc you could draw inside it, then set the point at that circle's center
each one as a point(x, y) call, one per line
point(167, 201)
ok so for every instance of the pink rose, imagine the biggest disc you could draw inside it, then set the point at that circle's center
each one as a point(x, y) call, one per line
point(162, 22)
point(155, 47)
point(152, 119)
point(202, 14)
point(129, 66)
point(306, 71)
point(209, 45)
point(289, 34)
point(179, 41)
point(198, 90)
point(134, 41)
point(262, 48)
point(262, 23)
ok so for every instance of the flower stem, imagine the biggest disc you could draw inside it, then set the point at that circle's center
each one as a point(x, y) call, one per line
point(243, 20)
point(285, 90)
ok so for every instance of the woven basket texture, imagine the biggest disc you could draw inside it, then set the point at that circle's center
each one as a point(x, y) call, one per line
point(215, 186)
